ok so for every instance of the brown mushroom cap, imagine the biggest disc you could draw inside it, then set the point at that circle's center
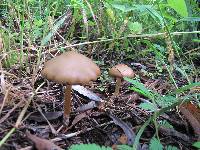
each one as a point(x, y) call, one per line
point(120, 71)
point(71, 68)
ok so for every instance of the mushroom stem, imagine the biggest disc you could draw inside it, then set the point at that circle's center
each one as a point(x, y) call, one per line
point(67, 102)
point(117, 87)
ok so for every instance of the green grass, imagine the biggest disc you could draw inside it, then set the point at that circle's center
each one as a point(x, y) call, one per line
point(129, 29)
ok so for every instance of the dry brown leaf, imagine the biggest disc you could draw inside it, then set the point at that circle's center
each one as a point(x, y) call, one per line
point(78, 118)
point(42, 144)
point(192, 114)
point(123, 139)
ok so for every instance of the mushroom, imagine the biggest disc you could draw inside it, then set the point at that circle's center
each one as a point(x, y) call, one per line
point(70, 68)
point(119, 71)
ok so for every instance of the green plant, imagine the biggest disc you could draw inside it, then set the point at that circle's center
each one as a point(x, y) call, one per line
point(88, 147)
point(155, 144)
point(160, 104)
point(97, 147)
point(196, 144)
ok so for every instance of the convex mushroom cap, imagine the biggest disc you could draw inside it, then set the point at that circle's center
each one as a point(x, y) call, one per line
point(120, 71)
point(71, 68)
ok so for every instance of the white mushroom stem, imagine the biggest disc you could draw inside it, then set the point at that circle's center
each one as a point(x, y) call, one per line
point(67, 102)
point(117, 86)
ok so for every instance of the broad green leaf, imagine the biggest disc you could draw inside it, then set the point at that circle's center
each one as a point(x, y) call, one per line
point(124, 147)
point(196, 144)
point(148, 106)
point(123, 6)
point(88, 147)
point(165, 124)
point(196, 40)
point(110, 13)
point(152, 11)
point(184, 88)
point(139, 87)
point(135, 27)
point(127, 7)
point(166, 100)
point(38, 22)
point(192, 19)
point(55, 28)
point(142, 92)
point(179, 6)
point(155, 144)
point(169, 147)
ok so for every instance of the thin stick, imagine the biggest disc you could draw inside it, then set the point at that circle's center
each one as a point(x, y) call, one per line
point(7, 136)
point(8, 114)
point(20, 117)
point(5, 98)
point(70, 135)
point(51, 127)
point(107, 40)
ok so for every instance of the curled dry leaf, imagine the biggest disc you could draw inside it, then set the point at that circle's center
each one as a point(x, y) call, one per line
point(192, 114)
point(42, 144)
point(49, 116)
point(127, 130)
point(123, 139)
point(87, 106)
point(86, 93)
point(79, 118)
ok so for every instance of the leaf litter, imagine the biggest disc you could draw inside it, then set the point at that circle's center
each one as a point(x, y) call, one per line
point(90, 118)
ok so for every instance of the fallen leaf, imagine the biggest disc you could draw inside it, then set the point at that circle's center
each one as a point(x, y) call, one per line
point(49, 115)
point(123, 139)
point(42, 144)
point(192, 114)
point(88, 106)
point(78, 118)
point(127, 130)
point(85, 92)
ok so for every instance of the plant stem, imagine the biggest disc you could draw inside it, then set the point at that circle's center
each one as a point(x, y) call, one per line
point(7, 136)
point(117, 87)
point(20, 117)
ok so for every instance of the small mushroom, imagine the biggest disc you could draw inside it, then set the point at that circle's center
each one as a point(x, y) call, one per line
point(119, 71)
point(70, 68)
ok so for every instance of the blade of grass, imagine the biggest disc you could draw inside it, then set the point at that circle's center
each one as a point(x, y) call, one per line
point(20, 117)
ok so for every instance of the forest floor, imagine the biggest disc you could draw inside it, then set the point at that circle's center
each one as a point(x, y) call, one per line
point(111, 122)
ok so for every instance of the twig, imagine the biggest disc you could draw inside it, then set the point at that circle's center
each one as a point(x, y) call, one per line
point(51, 127)
point(20, 117)
point(7, 73)
point(108, 40)
point(8, 114)
point(70, 135)
point(7, 136)
point(192, 50)
point(5, 98)
point(175, 134)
